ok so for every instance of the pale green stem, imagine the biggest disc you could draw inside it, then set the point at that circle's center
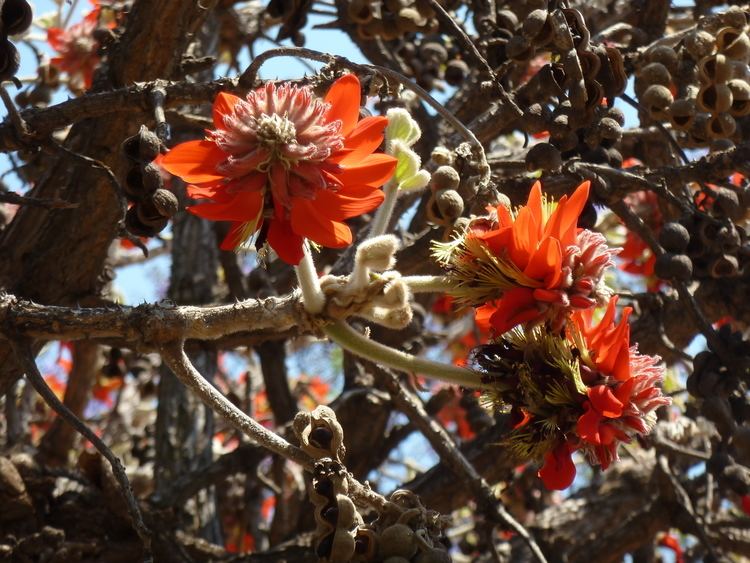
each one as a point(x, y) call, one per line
point(385, 211)
point(428, 284)
point(312, 296)
point(358, 344)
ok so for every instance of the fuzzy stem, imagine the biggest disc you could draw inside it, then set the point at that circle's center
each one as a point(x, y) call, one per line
point(312, 296)
point(348, 338)
point(384, 213)
point(428, 284)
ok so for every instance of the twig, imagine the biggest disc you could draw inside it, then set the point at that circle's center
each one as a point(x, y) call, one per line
point(47, 203)
point(20, 126)
point(26, 359)
point(661, 128)
point(443, 444)
point(158, 96)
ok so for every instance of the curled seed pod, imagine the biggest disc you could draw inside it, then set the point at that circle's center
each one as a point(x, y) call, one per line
point(409, 20)
point(506, 19)
point(657, 99)
point(670, 266)
point(727, 202)
point(665, 55)
point(433, 555)
point(519, 48)
point(699, 44)
point(721, 126)
point(536, 27)
point(674, 237)
point(149, 215)
point(144, 146)
point(566, 141)
point(445, 178)
point(398, 540)
point(740, 97)
point(16, 16)
point(733, 16)
point(682, 113)
point(536, 118)
point(543, 156)
point(714, 98)
point(456, 71)
point(320, 433)
point(616, 114)
point(655, 73)
point(366, 544)
point(699, 129)
point(614, 157)
point(450, 204)
point(734, 43)
point(371, 29)
point(724, 266)
point(442, 156)
point(359, 11)
point(433, 51)
point(609, 129)
point(714, 69)
point(165, 202)
point(135, 226)
point(9, 60)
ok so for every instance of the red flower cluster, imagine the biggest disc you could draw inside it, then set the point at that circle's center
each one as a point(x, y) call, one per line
point(288, 165)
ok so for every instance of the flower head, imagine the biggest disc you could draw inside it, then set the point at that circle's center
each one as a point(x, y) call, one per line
point(587, 391)
point(287, 164)
point(78, 49)
point(529, 267)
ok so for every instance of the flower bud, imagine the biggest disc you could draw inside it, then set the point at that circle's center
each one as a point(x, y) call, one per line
point(378, 253)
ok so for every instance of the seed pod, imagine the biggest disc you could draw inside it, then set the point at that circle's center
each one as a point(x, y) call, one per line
point(398, 540)
point(9, 60)
point(165, 202)
point(409, 20)
point(432, 556)
point(16, 16)
point(734, 43)
point(670, 266)
point(609, 129)
point(371, 29)
point(456, 72)
point(664, 55)
point(445, 178)
point(519, 48)
point(543, 156)
point(699, 44)
point(450, 204)
point(136, 227)
point(359, 11)
point(144, 146)
point(566, 141)
point(655, 73)
point(715, 98)
point(682, 113)
point(727, 202)
point(674, 237)
point(506, 19)
point(442, 156)
point(657, 99)
point(433, 51)
point(721, 126)
point(614, 157)
point(740, 97)
point(733, 16)
point(714, 69)
point(724, 266)
point(536, 27)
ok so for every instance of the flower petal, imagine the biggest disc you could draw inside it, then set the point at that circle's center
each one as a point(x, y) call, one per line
point(588, 425)
point(223, 105)
point(234, 236)
point(558, 470)
point(351, 202)
point(364, 139)
point(309, 222)
point(194, 161)
point(516, 306)
point(344, 97)
point(604, 401)
point(244, 206)
point(373, 170)
point(546, 263)
point(564, 219)
point(286, 243)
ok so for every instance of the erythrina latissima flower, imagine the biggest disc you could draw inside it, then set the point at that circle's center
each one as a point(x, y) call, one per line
point(587, 391)
point(287, 164)
point(530, 267)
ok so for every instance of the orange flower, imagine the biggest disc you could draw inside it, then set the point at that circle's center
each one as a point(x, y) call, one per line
point(288, 165)
point(530, 267)
point(78, 49)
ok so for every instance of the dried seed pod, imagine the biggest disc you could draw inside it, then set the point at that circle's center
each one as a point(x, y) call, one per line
point(409, 20)
point(609, 129)
point(670, 266)
point(614, 157)
point(699, 44)
point(682, 113)
point(699, 129)
point(445, 178)
point(371, 29)
point(740, 97)
point(721, 126)
point(456, 71)
point(734, 43)
point(727, 202)
point(9, 60)
point(674, 237)
point(398, 540)
point(320, 433)
point(433, 51)
point(543, 156)
point(433, 555)
point(144, 146)
point(724, 266)
point(714, 98)
point(733, 16)
point(16, 16)
point(442, 156)
point(450, 204)
point(665, 55)
point(519, 48)
point(616, 114)
point(566, 141)
point(656, 100)
point(714, 69)
point(655, 73)
point(506, 19)
point(359, 11)
point(536, 28)
point(136, 227)
point(165, 202)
